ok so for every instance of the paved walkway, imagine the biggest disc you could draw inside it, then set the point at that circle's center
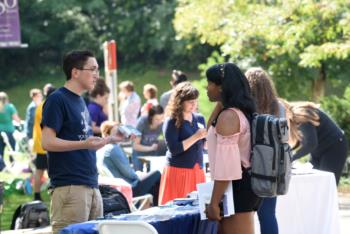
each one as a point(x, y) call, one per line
point(344, 211)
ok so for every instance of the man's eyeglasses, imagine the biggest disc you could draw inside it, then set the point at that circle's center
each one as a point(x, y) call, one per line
point(93, 70)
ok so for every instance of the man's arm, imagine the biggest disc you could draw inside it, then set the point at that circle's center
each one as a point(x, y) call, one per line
point(51, 142)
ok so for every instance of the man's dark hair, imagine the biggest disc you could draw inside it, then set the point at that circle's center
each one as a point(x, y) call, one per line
point(178, 77)
point(75, 59)
point(50, 90)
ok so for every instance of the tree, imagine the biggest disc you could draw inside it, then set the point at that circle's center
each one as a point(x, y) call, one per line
point(51, 28)
point(297, 41)
point(142, 29)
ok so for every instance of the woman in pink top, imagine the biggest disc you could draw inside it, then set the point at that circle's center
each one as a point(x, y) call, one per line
point(229, 147)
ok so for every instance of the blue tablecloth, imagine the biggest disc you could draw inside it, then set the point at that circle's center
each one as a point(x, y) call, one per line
point(183, 221)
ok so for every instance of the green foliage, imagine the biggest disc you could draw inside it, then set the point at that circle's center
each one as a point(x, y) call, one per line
point(345, 182)
point(213, 59)
point(339, 110)
point(204, 105)
point(291, 39)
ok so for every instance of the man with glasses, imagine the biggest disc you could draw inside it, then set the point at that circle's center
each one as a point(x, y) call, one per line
point(68, 138)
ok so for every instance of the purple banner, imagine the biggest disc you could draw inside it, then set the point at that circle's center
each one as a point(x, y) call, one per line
point(10, 35)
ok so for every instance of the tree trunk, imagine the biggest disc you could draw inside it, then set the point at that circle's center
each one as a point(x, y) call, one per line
point(318, 85)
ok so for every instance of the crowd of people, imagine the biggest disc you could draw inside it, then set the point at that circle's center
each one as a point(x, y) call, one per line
point(71, 134)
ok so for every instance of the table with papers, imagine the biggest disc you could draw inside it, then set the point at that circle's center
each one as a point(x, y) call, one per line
point(166, 220)
point(310, 207)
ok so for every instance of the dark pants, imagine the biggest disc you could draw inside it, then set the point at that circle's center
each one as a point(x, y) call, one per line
point(149, 184)
point(333, 158)
point(11, 141)
point(267, 216)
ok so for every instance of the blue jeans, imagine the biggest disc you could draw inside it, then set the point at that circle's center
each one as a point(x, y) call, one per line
point(148, 184)
point(267, 216)
point(118, 164)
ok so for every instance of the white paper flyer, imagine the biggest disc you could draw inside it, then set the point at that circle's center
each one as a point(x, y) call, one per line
point(204, 196)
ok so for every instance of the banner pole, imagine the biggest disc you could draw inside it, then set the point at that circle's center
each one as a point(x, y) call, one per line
point(113, 75)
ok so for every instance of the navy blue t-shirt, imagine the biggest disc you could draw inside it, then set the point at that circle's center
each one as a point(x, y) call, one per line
point(176, 156)
point(66, 113)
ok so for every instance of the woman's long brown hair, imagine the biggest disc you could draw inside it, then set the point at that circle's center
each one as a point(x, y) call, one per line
point(299, 113)
point(183, 92)
point(263, 91)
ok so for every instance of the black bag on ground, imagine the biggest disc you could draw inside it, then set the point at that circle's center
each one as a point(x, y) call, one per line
point(114, 202)
point(30, 215)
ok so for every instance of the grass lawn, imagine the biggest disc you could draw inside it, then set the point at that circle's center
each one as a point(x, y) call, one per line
point(15, 196)
point(11, 203)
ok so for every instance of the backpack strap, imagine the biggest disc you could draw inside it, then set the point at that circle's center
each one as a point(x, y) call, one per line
point(260, 125)
point(281, 110)
point(260, 129)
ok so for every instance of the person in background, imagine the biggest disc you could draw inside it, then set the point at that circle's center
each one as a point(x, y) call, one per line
point(98, 105)
point(176, 78)
point(130, 104)
point(8, 113)
point(313, 132)
point(118, 164)
point(185, 133)
point(37, 97)
point(229, 144)
point(41, 156)
point(148, 143)
point(68, 138)
point(46, 88)
point(267, 102)
point(150, 94)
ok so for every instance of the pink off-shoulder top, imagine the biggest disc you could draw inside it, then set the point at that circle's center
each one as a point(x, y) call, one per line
point(227, 154)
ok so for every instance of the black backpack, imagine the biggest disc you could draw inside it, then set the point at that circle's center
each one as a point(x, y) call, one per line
point(114, 202)
point(30, 215)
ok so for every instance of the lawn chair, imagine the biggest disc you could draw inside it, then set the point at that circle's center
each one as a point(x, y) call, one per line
point(9, 150)
point(15, 154)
